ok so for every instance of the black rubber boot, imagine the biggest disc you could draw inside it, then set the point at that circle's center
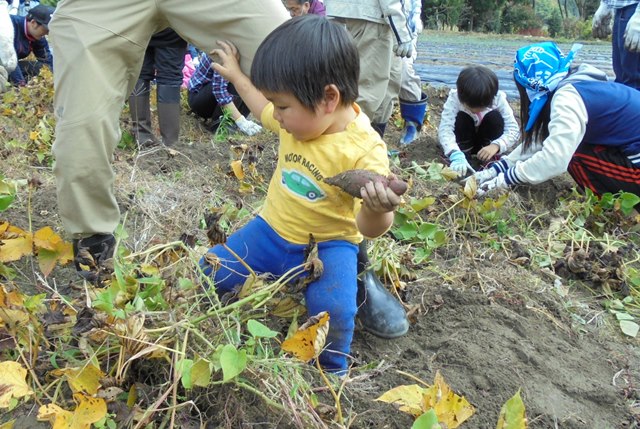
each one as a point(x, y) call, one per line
point(169, 114)
point(379, 311)
point(141, 114)
point(379, 128)
point(93, 252)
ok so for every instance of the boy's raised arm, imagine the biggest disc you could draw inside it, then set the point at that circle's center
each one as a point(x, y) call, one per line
point(229, 68)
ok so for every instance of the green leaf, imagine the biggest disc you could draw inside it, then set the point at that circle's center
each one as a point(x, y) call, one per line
point(422, 203)
point(5, 201)
point(201, 373)
point(104, 301)
point(407, 231)
point(184, 367)
point(186, 284)
point(421, 254)
point(233, 361)
point(624, 316)
point(427, 230)
point(512, 414)
point(259, 330)
point(627, 202)
point(629, 328)
point(428, 420)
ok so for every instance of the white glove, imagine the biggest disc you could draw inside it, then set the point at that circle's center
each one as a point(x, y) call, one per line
point(404, 50)
point(632, 32)
point(483, 175)
point(459, 163)
point(601, 23)
point(247, 127)
point(496, 183)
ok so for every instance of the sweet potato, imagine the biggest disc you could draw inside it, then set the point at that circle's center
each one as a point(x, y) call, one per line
point(351, 181)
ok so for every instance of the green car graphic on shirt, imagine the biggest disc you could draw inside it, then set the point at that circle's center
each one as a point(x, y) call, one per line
point(301, 185)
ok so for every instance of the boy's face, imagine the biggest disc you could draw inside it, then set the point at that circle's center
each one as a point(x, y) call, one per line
point(295, 118)
point(36, 30)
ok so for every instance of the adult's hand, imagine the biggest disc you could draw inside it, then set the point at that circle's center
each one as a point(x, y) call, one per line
point(601, 23)
point(632, 32)
point(404, 49)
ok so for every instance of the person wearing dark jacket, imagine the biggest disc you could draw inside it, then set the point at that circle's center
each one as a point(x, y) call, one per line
point(29, 36)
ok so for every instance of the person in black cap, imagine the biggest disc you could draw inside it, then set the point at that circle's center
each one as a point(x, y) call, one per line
point(29, 36)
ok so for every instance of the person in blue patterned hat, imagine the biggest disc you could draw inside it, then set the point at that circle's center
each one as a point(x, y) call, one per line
point(572, 119)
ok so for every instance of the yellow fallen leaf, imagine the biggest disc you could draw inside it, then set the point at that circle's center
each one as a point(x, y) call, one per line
point(8, 425)
point(13, 317)
point(451, 409)
point(10, 231)
point(88, 411)
point(308, 341)
point(470, 188)
point(12, 249)
point(58, 417)
point(10, 298)
point(12, 382)
point(46, 238)
point(82, 379)
point(409, 397)
point(236, 166)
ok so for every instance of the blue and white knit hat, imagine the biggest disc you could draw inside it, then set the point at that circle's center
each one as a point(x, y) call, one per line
point(540, 68)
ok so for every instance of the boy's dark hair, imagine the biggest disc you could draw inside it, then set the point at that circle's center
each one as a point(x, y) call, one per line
point(477, 86)
point(304, 55)
point(540, 129)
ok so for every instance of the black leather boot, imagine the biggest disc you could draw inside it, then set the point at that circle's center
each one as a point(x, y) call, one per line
point(379, 127)
point(379, 311)
point(93, 252)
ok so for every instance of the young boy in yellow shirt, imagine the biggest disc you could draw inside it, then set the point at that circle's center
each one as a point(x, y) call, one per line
point(306, 93)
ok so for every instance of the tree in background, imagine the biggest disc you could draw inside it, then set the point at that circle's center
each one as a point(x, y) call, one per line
point(567, 18)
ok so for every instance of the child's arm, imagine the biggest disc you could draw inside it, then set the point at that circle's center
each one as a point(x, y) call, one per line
point(229, 68)
point(378, 204)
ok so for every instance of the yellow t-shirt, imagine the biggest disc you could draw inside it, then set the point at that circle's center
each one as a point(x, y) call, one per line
point(298, 201)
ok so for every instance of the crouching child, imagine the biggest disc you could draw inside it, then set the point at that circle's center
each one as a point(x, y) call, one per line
point(306, 92)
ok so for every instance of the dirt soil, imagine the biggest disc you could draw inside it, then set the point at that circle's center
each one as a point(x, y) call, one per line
point(490, 325)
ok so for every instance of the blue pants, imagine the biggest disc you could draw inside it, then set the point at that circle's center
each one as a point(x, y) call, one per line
point(626, 65)
point(265, 251)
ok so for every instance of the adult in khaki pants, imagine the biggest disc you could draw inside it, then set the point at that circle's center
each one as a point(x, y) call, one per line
point(98, 48)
